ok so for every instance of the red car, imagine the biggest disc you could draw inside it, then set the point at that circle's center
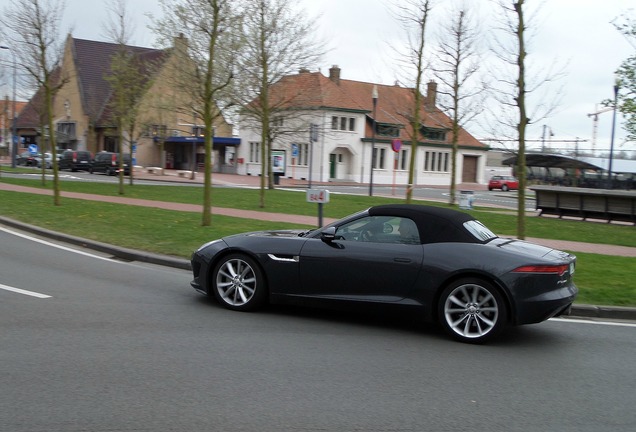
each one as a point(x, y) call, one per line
point(504, 183)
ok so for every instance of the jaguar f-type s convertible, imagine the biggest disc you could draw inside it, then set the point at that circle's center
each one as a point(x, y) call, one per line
point(441, 262)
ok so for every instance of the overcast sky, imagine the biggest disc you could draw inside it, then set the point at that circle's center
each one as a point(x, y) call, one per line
point(577, 35)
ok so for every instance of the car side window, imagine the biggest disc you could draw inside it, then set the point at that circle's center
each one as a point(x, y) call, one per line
point(380, 229)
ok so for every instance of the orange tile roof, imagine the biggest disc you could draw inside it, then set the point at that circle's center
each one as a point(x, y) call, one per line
point(313, 90)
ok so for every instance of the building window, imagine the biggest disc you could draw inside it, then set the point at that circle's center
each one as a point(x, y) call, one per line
point(433, 134)
point(277, 122)
point(197, 131)
point(403, 160)
point(111, 144)
point(255, 149)
point(156, 131)
point(389, 130)
point(379, 158)
point(343, 123)
point(436, 161)
point(66, 132)
point(303, 154)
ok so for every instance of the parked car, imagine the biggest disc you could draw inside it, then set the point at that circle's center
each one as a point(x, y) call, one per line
point(505, 183)
point(46, 159)
point(441, 263)
point(26, 159)
point(108, 162)
point(75, 160)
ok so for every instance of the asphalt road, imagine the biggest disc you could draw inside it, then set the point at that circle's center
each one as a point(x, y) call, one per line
point(120, 346)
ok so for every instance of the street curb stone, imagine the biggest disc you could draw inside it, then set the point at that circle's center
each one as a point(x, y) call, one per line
point(117, 251)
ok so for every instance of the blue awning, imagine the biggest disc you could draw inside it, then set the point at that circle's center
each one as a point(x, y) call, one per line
point(199, 140)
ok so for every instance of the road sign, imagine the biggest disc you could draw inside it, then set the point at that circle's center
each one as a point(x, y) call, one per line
point(295, 150)
point(319, 196)
point(396, 145)
point(33, 149)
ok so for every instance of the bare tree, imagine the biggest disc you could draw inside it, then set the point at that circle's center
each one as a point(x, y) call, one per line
point(457, 64)
point(514, 111)
point(278, 40)
point(626, 73)
point(33, 27)
point(414, 16)
point(128, 77)
point(207, 71)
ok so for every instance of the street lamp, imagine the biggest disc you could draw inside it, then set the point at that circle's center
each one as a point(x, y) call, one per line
point(14, 143)
point(617, 83)
point(374, 96)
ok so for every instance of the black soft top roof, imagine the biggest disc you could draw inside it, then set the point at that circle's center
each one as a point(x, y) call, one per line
point(435, 224)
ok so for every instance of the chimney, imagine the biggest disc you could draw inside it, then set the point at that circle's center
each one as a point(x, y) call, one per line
point(431, 95)
point(334, 74)
point(303, 70)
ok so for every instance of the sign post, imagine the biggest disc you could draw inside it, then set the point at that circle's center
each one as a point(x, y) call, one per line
point(320, 196)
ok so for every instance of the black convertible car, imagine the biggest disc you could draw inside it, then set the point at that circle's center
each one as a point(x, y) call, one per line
point(443, 262)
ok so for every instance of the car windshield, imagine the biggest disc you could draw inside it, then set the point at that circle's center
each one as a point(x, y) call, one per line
point(479, 230)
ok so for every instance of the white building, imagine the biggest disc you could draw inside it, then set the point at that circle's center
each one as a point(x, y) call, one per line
point(342, 113)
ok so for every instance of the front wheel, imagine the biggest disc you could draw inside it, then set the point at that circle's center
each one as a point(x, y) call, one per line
point(238, 283)
point(504, 188)
point(472, 311)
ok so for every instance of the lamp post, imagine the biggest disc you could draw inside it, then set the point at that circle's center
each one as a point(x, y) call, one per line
point(14, 144)
point(617, 83)
point(374, 96)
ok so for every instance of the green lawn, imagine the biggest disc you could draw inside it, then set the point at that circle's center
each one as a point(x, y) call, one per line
point(603, 280)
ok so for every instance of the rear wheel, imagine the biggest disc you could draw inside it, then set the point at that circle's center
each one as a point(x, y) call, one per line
point(238, 283)
point(472, 310)
point(504, 188)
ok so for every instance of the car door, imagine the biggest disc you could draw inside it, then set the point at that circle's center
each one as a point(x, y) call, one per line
point(383, 267)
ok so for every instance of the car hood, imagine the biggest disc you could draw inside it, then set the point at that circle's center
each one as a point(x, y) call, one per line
point(530, 249)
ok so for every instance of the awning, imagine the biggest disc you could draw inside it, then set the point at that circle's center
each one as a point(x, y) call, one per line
point(199, 140)
point(547, 160)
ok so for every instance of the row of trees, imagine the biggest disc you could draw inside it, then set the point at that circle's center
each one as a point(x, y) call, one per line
point(237, 50)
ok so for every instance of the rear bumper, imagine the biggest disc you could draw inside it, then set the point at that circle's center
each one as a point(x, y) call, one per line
point(545, 306)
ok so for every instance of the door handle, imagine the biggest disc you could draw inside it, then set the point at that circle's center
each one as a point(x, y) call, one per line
point(402, 260)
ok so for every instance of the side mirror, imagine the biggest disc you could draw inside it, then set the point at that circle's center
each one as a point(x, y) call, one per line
point(328, 234)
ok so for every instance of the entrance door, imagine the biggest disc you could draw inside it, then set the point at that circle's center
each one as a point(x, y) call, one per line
point(332, 165)
point(469, 173)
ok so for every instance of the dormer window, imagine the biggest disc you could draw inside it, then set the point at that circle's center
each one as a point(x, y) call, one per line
point(433, 134)
point(388, 130)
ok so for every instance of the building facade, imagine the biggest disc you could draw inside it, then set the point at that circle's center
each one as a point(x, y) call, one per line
point(84, 118)
point(326, 129)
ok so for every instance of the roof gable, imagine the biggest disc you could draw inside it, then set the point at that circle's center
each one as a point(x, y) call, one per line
point(92, 61)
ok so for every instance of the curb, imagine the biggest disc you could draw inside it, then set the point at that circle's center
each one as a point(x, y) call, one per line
point(577, 310)
point(119, 252)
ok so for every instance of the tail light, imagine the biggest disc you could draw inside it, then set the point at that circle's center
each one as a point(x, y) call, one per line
point(74, 157)
point(545, 269)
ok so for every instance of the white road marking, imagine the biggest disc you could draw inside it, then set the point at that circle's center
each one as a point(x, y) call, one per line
point(56, 245)
point(607, 323)
point(25, 292)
